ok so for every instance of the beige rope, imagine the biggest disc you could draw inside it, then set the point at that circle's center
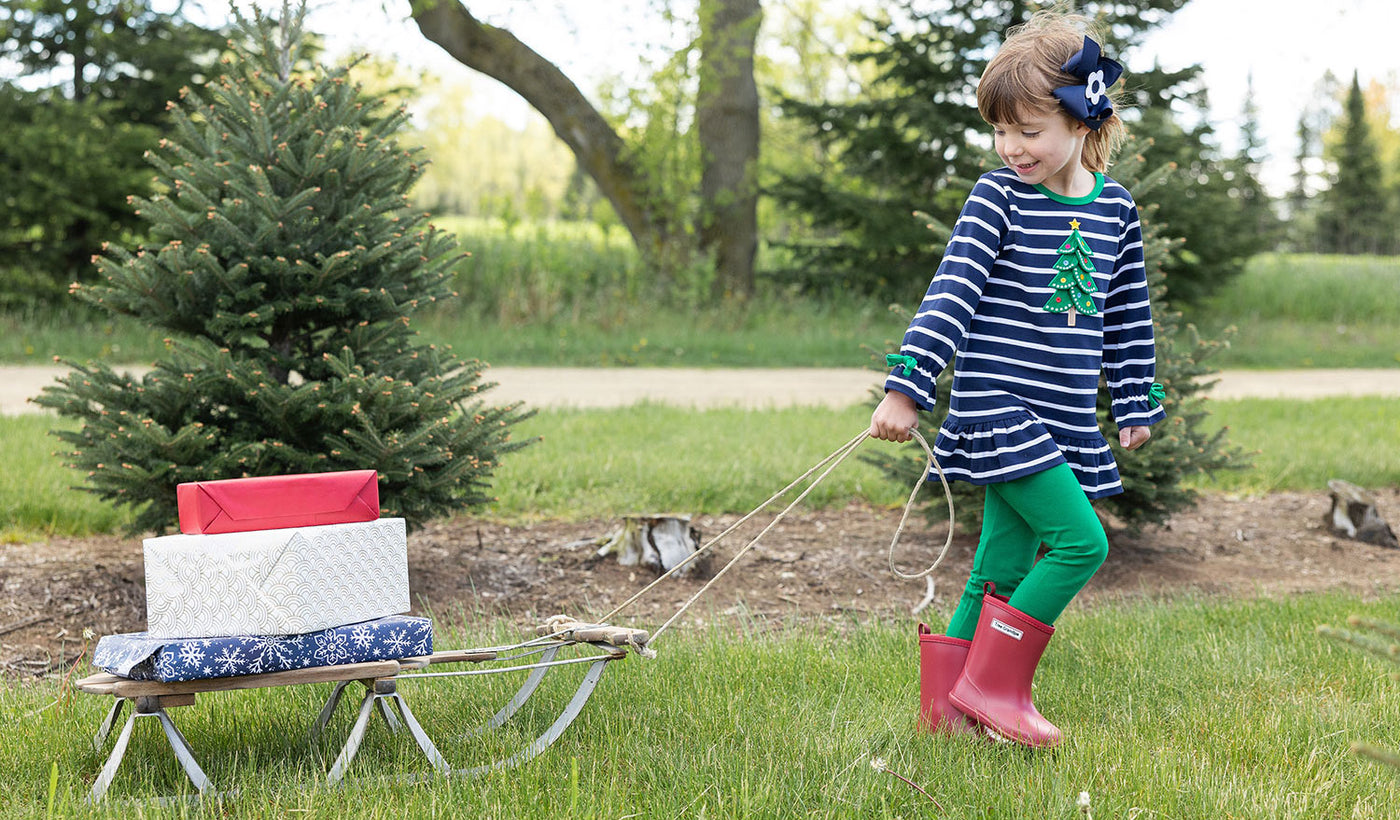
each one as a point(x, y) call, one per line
point(834, 459)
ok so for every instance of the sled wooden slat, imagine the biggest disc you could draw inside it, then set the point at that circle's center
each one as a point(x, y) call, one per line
point(125, 688)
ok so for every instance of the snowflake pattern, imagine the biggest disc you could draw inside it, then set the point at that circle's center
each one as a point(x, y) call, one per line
point(398, 642)
point(166, 665)
point(272, 652)
point(141, 657)
point(191, 654)
point(230, 661)
point(332, 647)
point(363, 636)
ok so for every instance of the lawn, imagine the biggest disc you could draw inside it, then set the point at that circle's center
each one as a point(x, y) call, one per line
point(1186, 708)
point(595, 464)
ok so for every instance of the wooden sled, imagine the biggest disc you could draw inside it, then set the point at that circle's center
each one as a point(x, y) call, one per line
point(592, 645)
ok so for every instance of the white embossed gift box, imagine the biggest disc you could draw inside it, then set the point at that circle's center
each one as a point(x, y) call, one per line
point(275, 582)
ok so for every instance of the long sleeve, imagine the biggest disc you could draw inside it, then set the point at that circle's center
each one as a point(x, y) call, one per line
point(946, 311)
point(1129, 352)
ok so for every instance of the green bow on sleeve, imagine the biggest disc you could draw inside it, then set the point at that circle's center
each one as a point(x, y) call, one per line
point(1155, 395)
point(906, 362)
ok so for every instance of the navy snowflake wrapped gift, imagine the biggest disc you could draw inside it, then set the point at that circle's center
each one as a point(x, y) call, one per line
point(137, 655)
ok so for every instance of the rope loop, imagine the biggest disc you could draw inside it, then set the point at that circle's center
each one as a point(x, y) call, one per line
point(947, 493)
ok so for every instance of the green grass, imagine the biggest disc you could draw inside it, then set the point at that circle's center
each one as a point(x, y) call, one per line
point(1299, 445)
point(38, 495)
point(653, 458)
point(1303, 310)
point(766, 333)
point(1180, 709)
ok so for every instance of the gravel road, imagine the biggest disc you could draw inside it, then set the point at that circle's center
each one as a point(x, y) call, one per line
point(761, 388)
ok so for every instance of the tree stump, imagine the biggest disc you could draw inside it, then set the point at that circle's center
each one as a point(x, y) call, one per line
point(657, 542)
point(1355, 516)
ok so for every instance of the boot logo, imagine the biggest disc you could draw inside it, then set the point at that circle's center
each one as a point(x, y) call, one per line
point(1007, 629)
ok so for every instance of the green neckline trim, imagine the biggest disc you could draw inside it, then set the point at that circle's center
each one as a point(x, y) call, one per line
point(1075, 200)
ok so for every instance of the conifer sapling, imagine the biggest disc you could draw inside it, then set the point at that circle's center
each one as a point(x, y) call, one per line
point(284, 263)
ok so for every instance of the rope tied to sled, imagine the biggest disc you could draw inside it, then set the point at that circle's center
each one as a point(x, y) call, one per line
point(830, 463)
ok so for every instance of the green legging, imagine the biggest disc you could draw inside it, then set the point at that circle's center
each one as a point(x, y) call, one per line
point(1047, 507)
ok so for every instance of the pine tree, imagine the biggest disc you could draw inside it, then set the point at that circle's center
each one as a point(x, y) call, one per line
point(1301, 234)
point(1247, 193)
point(1352, 214)
point(1201, 201)
point(286, 269)
point(1154, 476)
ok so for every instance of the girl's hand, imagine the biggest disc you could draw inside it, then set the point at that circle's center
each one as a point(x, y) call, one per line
point(1134, 437)
point(894, 417)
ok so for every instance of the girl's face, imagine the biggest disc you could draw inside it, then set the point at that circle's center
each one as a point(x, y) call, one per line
point(1045, 150)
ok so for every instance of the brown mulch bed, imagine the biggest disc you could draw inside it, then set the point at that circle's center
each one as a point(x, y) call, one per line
point(814, 565)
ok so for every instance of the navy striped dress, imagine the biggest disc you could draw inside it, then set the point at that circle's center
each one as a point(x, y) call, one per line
point(1026, 381)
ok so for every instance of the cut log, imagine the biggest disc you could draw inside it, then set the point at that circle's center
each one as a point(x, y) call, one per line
point(1354, 515)
point(657, 542)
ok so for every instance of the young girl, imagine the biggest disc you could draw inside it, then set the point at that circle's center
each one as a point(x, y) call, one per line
point(1041, 288)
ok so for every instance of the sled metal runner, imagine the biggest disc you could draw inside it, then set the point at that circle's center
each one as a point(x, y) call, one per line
point(559, 645)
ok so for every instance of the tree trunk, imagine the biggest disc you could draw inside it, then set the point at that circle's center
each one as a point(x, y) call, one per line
point(1354, 515)
point(657, 542)
point(726, 114)
point(597, 147)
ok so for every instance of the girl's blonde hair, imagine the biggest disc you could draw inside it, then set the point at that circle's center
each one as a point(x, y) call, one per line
point(1018, 82)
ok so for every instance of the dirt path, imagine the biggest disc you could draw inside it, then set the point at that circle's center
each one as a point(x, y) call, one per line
point(763, 387)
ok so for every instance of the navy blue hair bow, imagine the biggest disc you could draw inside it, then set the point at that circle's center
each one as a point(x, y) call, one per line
point(1089, 103)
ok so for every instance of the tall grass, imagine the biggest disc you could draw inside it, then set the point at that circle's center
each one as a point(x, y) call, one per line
point(77, 332)
point(1185, 709)
point(540, 272)
point(577, 294)
point(1308, 310)
point(651, 458)
point(569, 294)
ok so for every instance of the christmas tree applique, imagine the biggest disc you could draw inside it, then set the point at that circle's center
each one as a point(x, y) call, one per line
point(1074, 277)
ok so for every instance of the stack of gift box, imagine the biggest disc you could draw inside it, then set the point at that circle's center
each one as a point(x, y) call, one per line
point(272, 574)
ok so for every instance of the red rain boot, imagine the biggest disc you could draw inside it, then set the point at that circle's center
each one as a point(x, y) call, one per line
point(941, 660)
point(995, 686)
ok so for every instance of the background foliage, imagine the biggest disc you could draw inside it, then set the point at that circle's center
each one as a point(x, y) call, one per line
point(88, 94)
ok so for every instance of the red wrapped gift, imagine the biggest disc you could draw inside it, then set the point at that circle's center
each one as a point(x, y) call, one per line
point(275, 502)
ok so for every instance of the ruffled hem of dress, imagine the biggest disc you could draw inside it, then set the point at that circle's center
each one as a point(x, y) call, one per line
point(1011, 447)
point(1093, 464)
